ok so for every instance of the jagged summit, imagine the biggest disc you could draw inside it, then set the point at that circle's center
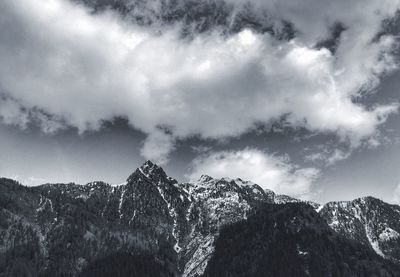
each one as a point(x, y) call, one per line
point(149, 165)
point(149, 168)
point(205, 178)
point(150, 171)
point(369, 199)
point(365, 201)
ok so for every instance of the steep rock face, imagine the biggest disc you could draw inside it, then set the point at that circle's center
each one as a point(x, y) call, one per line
point(291, 240)
point(369, 221)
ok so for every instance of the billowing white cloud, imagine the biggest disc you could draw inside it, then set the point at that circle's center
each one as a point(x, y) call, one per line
point(83, 68)
point(269, 171)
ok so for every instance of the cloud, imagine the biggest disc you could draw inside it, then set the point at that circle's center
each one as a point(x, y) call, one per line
point(81, 69)
point(199, 149)
point(328, 156)
point(12, 113)
point(396, 195)
point(313, 19)
point(157, 147)
point(269, 171)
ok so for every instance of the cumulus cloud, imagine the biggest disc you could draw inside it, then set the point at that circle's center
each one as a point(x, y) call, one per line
point(269, 171)
point(83, 68)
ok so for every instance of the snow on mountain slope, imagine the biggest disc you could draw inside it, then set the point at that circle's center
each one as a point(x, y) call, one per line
point(368, 220)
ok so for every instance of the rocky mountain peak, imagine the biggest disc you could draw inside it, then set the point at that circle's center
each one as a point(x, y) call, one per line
point(205, 178)
point(151, 172)
point(149, 168)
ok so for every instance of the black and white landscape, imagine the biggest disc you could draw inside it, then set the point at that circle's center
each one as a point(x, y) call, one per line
point(153, 226)
point(279, 120)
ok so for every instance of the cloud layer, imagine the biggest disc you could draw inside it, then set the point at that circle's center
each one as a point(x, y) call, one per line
point(64, 66)
point(269, 171)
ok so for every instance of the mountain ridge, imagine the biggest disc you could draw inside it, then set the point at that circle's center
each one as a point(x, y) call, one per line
point(65, 228)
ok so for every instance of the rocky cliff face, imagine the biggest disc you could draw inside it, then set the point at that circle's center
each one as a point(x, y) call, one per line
point(66, 229)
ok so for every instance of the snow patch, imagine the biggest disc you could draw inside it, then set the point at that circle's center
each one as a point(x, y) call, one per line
point(174, 216)
point(373, 242)
point(119, 185)
point(121, 202)
point(388, 234)
point(300, 252)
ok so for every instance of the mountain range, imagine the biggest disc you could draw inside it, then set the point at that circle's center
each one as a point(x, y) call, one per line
point(151, 225)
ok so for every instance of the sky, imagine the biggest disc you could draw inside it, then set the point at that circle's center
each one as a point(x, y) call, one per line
point(304, 101)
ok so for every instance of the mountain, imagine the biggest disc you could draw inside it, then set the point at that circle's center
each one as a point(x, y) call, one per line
point(57, 229)
point(151, 223)
point(369, 221)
